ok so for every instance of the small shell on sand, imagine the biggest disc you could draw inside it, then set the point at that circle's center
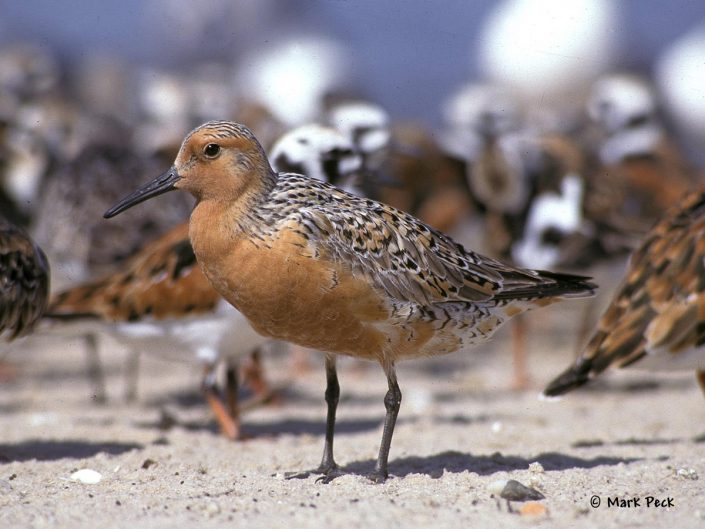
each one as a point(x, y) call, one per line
point(87, 476)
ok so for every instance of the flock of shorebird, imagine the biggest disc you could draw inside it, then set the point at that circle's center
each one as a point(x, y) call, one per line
point(296, 246)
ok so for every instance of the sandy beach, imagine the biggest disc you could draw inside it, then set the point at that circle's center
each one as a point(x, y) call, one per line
point(461, 431)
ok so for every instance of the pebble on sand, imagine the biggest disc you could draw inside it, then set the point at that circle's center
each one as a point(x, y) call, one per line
point(512, 490)
point(533, 508)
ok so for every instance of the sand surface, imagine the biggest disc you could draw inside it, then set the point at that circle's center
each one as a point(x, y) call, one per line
point(461, 430)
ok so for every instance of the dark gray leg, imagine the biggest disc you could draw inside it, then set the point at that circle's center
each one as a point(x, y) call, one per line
point(231, 389)
point(328, 464)
point(392, 402)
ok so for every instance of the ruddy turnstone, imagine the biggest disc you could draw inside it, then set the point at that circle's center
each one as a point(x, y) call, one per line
point(640, 172)
point(368, 127)
point(160, 301)
point(24, 281)
point(319, 152)
point(656, 319)
point(311, 264)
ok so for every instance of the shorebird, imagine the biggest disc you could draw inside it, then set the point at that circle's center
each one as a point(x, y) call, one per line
point(319, 152)
point(367, 125)
point(24, 281)
point(656, 319)
point(311, 264)
point(160, 301)
point(189, 315)
point(640, 171)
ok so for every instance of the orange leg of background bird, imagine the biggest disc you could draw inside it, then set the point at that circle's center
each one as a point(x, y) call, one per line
point(701, 379)
point(8, 372)
point(520, 380)
point(253, 376)
point(300, 360)
point(587, 323)
point(229, 423)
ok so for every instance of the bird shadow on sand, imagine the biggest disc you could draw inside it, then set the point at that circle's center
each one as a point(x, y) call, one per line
point(190, 398)
point(452, 461)
point(252, 429)
point(49, 450)
point(274, 428)
point(634, 441)
point(311, 427)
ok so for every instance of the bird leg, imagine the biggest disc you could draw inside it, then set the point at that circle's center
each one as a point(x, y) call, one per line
point(132, 366)
point(231, 387)
point(521, 378)
point(328, 467)
point(700, 374)
point(392, 402)
point(95, 369)
point(587, 323)
point(300, 360)
point(252, 374)
point(229, 423)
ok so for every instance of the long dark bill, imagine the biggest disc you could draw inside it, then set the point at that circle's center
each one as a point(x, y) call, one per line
point(161, 184)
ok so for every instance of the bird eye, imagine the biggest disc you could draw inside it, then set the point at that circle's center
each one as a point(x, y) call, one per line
point(211, 150)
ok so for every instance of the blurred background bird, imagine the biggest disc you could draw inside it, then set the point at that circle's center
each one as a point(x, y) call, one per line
point(159, 301)
point(24, 285)
point(24, 281)
point(656, 319)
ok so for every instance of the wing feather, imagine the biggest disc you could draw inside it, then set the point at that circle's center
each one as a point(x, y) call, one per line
point(409, 260)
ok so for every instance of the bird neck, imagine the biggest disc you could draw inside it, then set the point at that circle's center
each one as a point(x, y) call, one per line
point(220, 220)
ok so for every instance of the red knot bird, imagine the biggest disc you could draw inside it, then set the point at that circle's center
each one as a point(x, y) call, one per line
point(311, 264)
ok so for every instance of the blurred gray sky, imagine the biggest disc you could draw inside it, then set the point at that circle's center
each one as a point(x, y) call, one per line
point(409, 53)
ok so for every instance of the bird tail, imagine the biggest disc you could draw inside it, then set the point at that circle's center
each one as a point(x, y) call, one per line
point(601, 352)
point(573, 377)
point(568, 285)
point(551, 286)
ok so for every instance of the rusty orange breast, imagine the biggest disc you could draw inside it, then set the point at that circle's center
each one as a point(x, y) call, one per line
point(289, 294)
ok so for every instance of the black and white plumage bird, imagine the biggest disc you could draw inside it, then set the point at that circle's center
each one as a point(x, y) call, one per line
point(319, 152)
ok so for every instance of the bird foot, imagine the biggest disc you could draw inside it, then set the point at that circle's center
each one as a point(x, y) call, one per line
point(327, 473)
point(377, 476)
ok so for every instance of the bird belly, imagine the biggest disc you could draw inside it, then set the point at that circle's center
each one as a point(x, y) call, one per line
point(288, 295)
